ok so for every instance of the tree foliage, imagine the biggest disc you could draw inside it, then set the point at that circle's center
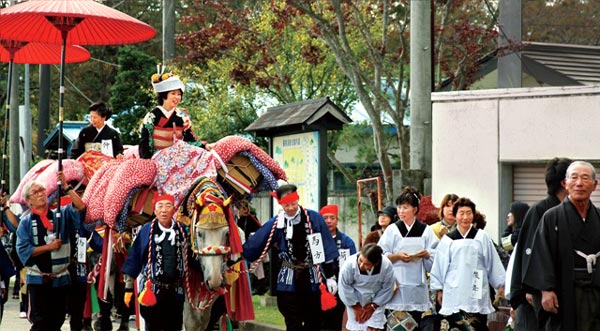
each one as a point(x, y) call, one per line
point(131, 94)
point(465, 32)
point(299, 49)
point(217, 110)
point(561, 21)
point(260, 45)
point(369, 42)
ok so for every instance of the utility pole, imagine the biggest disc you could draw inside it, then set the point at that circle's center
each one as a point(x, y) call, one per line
point(509, 61)
point(420, 91)
point(168, 31)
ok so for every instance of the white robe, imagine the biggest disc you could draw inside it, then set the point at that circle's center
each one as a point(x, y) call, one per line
point(464, 269)
point(355, 287)
point(413, 291)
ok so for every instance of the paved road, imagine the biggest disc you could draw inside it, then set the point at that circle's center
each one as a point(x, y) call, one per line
point(12, 322)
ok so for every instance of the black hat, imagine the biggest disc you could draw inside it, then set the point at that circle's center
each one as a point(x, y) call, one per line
point(388, 210)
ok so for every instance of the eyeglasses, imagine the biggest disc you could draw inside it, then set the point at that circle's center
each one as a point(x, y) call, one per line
point(39, 191)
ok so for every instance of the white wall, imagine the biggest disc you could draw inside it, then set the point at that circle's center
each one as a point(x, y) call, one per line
point(474, 132)
point(465, 153)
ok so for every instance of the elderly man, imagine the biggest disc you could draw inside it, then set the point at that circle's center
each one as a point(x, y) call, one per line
point(563, 256)
point(158, 254)
point(44, 247)
point(521, 297)
point(332, 319)
point(302, 241)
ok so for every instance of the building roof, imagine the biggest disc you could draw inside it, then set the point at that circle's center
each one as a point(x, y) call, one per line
point(300, 116)
point(547, 64)
point(562, 64)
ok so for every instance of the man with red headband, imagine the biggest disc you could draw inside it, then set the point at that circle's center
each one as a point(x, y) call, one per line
point(293, 232)
point(332, 319)
point(158, 255)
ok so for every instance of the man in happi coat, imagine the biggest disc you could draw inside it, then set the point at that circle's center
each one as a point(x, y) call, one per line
point(158, 254)
point(298, 279)
point(332, 319)
point(44, 247)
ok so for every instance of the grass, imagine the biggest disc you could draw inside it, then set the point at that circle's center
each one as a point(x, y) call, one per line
point(266, 314)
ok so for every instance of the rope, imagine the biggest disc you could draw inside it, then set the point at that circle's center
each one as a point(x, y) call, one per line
point(255, 264)
point(212, 295)
point(150, 250)
point(91, 277)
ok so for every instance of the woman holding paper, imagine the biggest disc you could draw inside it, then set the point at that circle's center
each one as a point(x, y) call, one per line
point(465, 266)
point(409, 245)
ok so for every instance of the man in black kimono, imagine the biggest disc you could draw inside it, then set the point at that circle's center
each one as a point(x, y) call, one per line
point(521, 297)
point(563, 257)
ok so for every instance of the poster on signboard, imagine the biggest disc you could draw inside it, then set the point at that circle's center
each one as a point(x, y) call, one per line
point(298, 155)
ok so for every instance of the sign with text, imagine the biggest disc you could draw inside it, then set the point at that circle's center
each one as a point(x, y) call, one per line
point(298, 155)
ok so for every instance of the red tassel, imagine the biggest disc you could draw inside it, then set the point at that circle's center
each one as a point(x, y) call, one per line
point(328, 300)
point(147, 296)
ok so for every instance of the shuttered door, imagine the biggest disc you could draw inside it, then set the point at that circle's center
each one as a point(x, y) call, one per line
point(529, 185)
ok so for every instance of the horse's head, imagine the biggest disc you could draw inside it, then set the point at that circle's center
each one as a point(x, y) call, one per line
point(209, 231)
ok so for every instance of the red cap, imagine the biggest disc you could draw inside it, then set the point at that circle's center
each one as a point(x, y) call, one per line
point(159, 197)
point(329, 209)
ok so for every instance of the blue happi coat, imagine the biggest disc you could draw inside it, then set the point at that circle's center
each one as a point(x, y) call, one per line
point(255, 245)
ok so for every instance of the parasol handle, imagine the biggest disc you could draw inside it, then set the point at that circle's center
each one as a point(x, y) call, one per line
point(3, 186)
point(61, 103)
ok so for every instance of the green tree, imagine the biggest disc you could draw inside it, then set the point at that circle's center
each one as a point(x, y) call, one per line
point(465, 32)
point(369, 40)
point(131, 94)
point(216, 109)
point(561, 21)
point(248, 54)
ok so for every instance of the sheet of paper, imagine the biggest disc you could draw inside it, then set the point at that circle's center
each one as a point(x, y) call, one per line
point(107, 147)
point(344, 254)
point(477, 286)
point(81, 249)
point(316, 247)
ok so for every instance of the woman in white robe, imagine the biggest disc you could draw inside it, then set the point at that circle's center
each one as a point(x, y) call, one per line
point(366, 284)
point(466, 264)
point(410, 245)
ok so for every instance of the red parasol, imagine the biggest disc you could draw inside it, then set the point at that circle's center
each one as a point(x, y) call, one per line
point(39, 53)
point(86, 22)
point(73, 22)
point(12, 51)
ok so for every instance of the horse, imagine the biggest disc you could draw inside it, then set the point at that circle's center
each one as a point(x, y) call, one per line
point(114, 187)
point(214, 239)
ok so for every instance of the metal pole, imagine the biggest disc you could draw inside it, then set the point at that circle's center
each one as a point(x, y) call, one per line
point(6, 126)
point(61, 112)
point(25, 119)
point(43, 109)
